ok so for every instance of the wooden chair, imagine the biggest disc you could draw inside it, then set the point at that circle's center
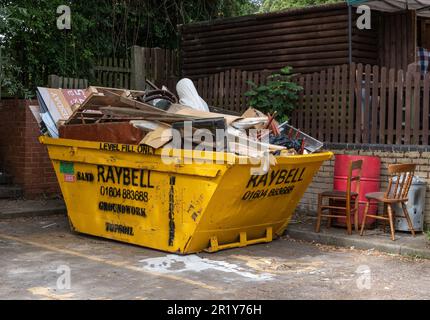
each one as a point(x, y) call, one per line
point(397, 192)
point(348, 197)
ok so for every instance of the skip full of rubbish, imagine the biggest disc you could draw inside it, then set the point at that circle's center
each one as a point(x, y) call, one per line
point(152, 117)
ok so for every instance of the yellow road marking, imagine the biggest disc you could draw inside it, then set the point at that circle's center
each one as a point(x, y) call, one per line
point(44, 292)
point(111, 263)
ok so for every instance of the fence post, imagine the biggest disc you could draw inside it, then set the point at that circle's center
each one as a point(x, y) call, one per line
point(137, 68)
point(53, 81)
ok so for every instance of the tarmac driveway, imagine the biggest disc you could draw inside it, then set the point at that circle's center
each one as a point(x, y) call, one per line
point(40, 258)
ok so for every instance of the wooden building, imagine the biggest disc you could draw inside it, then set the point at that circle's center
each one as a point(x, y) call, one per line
point(308, 39)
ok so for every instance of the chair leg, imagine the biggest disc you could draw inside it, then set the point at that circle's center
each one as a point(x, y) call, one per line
point(391, 217)
point(408, 219)
point(357, 208)
point(363, 223)
point(384, 222)
point(348, 221)
point(317, 227)
point(330, 212)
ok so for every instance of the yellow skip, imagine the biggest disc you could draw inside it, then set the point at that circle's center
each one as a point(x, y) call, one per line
point(127, 193)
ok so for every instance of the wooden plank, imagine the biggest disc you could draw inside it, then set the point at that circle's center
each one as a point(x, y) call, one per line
point(226, 101)
point(230, 62)
point(216, 88)
point(375, 102)
point(391, 107)
point(322, 64)
point(321, 105)
point(300, 110)
point(358, 95)
point(237, 87)
point(211, 90)
point(221, 91)
point(408, 107)
point(343, 123)
point(315, 85)
point(308, 110)
point(399, 107)
point(243, 91)
point(257, 32)
point(404, 47)
point(258, 52)
point(247, 41)
point(310, 12)
point(351, 101)
point(426, 109)
point(416, 108)
point(336, 105)
point(365, 118)
point(302, 20)
point(383, 107)
point(327, 111)
point(336, 42)
point(204, 91)
point(232, 93)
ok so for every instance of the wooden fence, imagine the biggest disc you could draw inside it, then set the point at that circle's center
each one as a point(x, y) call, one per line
point(156, 64)
point(344, 104)
point(113, 73)
point(226, 89)
point(365, 104)
point(55, 81)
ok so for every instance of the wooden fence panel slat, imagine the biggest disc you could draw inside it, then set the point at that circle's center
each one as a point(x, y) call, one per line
point(243, 103)
point(328, 107)
point(391, 106)
point(336, 105)
point(231, 96)
point(210, 96)
point(226, 96)
point(399, 107)
point(217, 88)
point(382, 106)
point(315, 82)
point(321, 105)
point(426, 101)
point(308, 111)
point(351, 109)
point(416, 109)
point(408, 106)
point(366, 110)
point(221, 90)
point(343, 105)
point(301, 102)
point(375, 94)
point(358, 128)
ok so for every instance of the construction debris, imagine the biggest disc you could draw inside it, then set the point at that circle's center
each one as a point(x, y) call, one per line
point(153, 117)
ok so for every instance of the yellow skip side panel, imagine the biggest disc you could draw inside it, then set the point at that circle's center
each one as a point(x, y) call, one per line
point(127, 193)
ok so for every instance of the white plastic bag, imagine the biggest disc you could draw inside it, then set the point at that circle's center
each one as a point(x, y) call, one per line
point(189, 96)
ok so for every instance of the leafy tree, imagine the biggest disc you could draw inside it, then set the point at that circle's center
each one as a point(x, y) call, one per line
point(276, 5)
point(33, 47)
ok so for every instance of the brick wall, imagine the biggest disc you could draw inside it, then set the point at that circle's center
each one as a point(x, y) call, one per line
point(21, 154)
point(323, 180)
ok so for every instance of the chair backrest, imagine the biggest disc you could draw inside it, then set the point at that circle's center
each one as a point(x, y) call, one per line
point(398, 188)
point(354, 175)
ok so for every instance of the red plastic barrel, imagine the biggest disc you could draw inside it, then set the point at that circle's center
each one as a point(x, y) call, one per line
point(370, 181)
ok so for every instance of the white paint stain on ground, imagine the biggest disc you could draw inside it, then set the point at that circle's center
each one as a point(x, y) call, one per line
point(175, 264)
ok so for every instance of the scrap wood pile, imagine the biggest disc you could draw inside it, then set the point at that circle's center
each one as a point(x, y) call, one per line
point(149, 117)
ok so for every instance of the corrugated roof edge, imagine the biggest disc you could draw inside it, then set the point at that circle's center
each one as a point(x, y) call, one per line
point(286, 12)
